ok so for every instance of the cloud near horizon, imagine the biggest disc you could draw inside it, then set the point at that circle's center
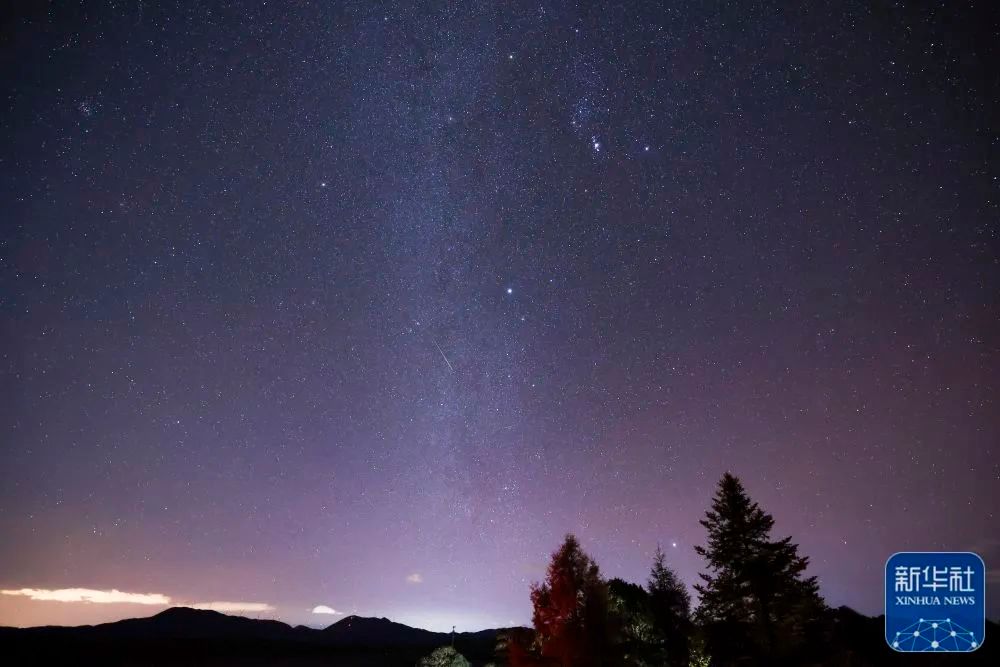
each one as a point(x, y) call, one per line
point(415, 578)
point(113, 596)
point(323, 609)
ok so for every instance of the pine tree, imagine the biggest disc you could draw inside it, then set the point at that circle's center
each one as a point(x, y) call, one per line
point(571, 609)
point(670, 611)
point(757, 607)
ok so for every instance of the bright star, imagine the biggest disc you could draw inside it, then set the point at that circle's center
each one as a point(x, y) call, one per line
point(510, 290)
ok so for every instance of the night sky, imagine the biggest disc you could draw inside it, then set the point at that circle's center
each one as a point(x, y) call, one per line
point(367, 306)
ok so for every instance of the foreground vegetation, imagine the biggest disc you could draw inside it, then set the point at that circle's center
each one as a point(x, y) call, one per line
point(757, 607)
point(756, 604)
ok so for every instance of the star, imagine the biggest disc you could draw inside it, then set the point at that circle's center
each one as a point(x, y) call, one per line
point(347, 351)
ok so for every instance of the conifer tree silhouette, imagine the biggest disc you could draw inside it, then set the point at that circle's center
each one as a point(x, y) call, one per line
point(670, 609)
point(757, 607)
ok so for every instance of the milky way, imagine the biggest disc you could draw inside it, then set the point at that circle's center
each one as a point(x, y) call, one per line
point(361, 308)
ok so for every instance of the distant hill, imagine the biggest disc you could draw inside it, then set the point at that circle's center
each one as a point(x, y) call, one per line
point(173, 623)
point(183, 636)
point(354, 630)
point(174, 635)
point(359, 630)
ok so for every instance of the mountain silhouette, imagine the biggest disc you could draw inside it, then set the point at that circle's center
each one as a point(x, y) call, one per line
point(180, 635)
point(360, 630)
point(184, 622)
point(173, 623)
point(369, 631)
point(184, 636)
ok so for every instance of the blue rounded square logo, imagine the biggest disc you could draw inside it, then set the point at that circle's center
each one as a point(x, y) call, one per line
point(935, 602)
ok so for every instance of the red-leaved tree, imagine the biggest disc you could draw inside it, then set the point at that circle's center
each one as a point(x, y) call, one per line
point(571, 609)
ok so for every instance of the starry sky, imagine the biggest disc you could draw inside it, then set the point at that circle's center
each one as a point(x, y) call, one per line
point(362, 306)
